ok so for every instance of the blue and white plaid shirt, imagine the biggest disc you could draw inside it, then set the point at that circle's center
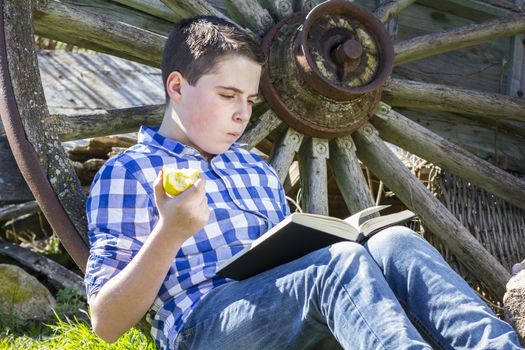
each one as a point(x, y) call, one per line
point(245, 199)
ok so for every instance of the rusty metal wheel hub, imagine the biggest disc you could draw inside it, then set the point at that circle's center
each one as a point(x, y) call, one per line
point(326, 68)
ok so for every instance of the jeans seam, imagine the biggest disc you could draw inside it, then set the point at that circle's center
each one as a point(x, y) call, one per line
point(357, 308)
point(421, 328)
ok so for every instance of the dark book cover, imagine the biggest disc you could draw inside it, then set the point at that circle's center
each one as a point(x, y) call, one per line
point(287, 244)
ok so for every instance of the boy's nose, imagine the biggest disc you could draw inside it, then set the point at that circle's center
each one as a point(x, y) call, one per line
point(243, 112)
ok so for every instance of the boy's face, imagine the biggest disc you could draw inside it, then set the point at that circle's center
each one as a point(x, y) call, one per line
point(212, 114)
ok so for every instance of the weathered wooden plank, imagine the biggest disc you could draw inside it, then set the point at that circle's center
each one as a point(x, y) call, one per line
point(108, 122)
point(349, 175)
point(53, 182)
point(259, 129)
point(87, 25)
point(250, 14)
point(284, 149)
point(384, 164)
point(313, 173)
point(413, 94)
point(436, 43)
point(397, 129)
point(82, 83)
point(391, 9)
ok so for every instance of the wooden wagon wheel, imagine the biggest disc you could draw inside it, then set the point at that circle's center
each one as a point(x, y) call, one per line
point(35, 137)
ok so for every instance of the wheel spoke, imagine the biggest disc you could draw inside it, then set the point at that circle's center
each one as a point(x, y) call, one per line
point(391, 9)
point(284, 150)
point(258, 130)
point(278, 8)
point(106, 122)
point(306, 5)
point(414, 94)
point(92, 30)
point(381, 160)
point(152, 7)
point(312, 169)
point(190, 8)
point(250, 14)
point(409, 135)
point(349, 175)
point(433, 44)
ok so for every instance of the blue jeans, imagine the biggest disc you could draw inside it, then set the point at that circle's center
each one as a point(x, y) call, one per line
point(395, 292)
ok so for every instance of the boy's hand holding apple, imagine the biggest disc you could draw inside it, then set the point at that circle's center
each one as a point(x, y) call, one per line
point(181, 200)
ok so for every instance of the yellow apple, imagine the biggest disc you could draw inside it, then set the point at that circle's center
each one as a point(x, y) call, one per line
point(176, 181)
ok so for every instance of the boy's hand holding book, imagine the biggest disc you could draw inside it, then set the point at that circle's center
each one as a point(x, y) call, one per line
point(183, 206)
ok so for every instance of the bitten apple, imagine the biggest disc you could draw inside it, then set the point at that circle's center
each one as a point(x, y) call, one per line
point(176, 181)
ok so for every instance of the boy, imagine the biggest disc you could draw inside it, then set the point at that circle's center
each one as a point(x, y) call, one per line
point(150, 251)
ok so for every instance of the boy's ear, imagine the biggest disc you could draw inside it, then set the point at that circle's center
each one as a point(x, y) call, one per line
point(174, 84)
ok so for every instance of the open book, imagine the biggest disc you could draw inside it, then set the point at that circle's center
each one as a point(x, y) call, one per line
point(299, 234)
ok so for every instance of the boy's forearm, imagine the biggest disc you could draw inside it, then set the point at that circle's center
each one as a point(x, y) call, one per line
point(125, 299)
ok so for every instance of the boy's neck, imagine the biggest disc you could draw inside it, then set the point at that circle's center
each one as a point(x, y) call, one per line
point(171, 129)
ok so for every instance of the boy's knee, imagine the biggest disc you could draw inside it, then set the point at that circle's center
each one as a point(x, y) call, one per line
point(346, 248)
point(394, 240)
point(346, 253)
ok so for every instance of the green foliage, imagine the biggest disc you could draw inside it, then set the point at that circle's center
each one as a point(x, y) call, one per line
point(68, 329)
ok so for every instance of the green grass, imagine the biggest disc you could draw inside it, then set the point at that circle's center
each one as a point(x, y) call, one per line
point(68, 328)
point(75, 335)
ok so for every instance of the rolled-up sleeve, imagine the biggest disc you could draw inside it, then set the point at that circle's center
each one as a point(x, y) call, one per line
point(120, 215)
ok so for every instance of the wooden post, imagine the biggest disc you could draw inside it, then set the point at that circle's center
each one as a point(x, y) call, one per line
point(312, 168)
point(380, 159)
point(349, 175)
point(409, 135)
point(284, 150)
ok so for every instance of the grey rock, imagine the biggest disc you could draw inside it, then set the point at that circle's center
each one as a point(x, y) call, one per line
point(22, 295)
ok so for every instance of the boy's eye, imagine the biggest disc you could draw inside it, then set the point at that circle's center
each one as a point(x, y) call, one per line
point(227, 96)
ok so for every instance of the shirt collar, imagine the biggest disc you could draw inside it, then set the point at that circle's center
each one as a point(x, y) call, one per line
point(149, 135)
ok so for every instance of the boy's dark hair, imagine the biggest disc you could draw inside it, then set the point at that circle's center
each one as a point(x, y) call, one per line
point(196, 45)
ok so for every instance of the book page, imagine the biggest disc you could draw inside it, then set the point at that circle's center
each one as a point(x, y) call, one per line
point(356, 218)
point(327, 224)
point(376, 224)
